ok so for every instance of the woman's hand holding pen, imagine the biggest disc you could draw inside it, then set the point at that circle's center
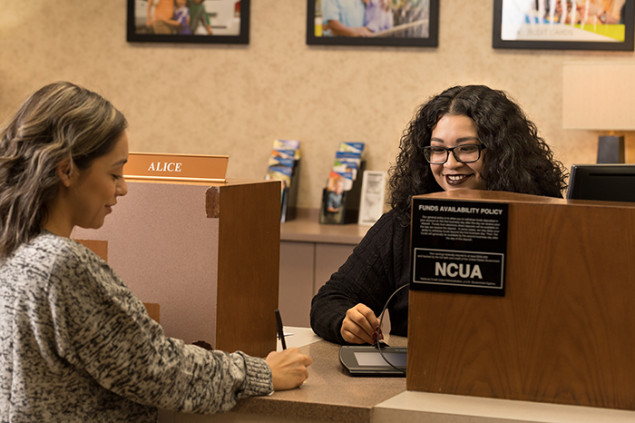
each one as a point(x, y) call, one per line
point(288, 368)
point(360, 325)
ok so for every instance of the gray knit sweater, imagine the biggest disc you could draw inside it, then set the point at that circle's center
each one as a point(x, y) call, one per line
point(76, 345)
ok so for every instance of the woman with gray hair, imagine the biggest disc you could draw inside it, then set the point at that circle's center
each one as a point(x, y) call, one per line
point(77, 345)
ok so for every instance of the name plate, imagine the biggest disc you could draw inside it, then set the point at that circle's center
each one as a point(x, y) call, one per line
point(176, 167)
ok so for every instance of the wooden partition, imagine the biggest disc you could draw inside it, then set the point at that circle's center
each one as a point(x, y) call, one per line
point(208, 254)
point(565, 330)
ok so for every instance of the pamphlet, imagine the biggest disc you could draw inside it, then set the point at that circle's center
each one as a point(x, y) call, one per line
point(282, 166)
point(342, 176)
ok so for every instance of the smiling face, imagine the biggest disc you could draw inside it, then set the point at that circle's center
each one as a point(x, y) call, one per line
point(451, 131)
point(93, 191)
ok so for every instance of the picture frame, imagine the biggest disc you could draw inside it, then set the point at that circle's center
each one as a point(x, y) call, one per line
point(407, 23)
point(219, 22)
point(546, 24)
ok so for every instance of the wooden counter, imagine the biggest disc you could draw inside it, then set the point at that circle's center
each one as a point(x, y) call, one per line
point(329, 395)
point(306, 228)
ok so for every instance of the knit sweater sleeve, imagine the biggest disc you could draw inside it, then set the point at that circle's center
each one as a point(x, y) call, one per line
point(368, 276)
point(104, 330)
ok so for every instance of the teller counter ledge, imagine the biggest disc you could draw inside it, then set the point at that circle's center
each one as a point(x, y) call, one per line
point(306, 228)
point(331, 395)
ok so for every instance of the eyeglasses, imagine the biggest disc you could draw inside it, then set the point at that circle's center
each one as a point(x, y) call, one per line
point(466, 153)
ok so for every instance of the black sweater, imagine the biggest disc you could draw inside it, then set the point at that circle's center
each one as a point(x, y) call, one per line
point(376, 268)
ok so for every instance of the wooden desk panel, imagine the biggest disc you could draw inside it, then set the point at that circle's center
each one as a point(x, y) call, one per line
point(296, 282)
point(564, 332)
point(207, 254)
point(309, 253)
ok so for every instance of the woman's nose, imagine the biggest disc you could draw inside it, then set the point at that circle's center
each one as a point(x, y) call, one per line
point(122, 188)
point(452, 162)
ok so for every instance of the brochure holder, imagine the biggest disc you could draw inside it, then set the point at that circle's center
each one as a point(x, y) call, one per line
point(289, 195)
point(345, 208)
point(284, 166)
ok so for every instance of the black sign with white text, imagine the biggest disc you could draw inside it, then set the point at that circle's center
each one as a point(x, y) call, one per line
point(458, 246)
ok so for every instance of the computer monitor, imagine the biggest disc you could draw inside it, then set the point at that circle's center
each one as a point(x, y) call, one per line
point(606, 182)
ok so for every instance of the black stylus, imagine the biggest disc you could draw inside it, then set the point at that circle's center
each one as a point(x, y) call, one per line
point(280, 330)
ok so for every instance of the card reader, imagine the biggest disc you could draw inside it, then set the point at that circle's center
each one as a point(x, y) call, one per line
point(366, 360)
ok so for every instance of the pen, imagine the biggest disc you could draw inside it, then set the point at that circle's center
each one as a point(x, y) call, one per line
point(280, 330)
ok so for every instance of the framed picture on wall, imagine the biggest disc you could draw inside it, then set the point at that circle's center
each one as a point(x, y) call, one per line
point(410, 23)
point(188, 21)
point(564, 25)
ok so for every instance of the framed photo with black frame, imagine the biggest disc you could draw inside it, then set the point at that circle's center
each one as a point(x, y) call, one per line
point(188, 21)
point(408, 23)
point(564, 25)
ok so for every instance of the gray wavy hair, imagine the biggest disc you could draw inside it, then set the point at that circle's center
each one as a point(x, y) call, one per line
point(58, 122)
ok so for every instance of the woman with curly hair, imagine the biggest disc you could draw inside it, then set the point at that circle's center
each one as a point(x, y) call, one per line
point(467, 137)
point(77, 344)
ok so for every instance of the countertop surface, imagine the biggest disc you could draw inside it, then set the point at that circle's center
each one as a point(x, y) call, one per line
point(306, 227)
point(329, 393)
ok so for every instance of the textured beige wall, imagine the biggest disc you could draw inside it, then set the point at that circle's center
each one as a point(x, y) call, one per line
point(235, 100)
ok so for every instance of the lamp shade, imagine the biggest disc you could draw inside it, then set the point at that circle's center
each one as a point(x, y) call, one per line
point(598, 96)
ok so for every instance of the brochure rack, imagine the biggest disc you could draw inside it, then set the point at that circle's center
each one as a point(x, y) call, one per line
point(344, 208)
point(284, 166)
point(289, 195)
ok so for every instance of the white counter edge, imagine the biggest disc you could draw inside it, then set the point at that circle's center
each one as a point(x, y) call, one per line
point(414, 406)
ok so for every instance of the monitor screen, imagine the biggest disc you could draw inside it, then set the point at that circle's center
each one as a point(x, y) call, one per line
point(605, 182)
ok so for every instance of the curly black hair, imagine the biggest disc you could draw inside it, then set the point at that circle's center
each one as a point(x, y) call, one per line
point(517, 159)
